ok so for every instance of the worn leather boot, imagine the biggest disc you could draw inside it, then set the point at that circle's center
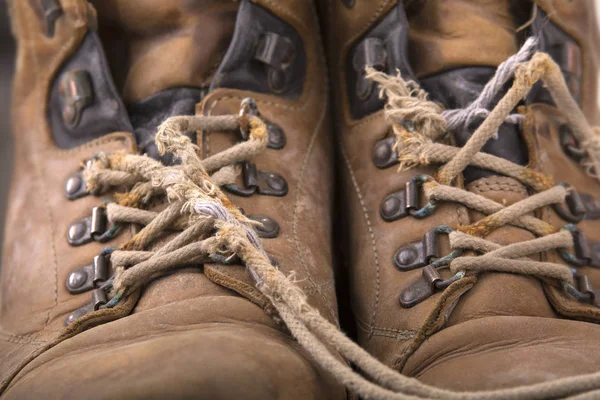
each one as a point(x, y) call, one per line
point(95, 79)
point(425, 299)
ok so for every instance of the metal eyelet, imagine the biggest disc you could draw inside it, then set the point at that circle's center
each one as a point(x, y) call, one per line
point(99, 299)
point(262, 182)
point(586, 253)
point(278, 53)
point(576, 209)
point(76, 93)
point(418, 254)
point(89, 277)
point(430, 280)
point(406, 201)
point(349, 3)
point(92, 228)
point(277, 138)
point(584, 292)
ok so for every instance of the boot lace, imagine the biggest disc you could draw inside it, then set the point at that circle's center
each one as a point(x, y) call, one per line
point(212, 229)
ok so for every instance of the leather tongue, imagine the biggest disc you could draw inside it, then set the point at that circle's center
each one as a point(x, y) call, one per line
point(456, 46)
point(163, 56)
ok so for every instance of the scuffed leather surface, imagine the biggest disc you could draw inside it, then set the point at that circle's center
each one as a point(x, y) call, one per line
point(508, 351)
point(214, 347)
point(503, 321)
point(164, 44)
point(36, 258)
point(187, 336)
point(442, 38)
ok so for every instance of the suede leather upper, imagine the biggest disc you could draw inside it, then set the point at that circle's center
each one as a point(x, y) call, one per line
point(198, 332)
point(496, 330)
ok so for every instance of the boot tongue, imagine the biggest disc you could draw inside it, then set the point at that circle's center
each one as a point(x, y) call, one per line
point(163, 55)
point(456, 46)
point(451, 34)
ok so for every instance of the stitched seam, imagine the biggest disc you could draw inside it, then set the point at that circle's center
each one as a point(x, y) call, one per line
point(296, 204)
point(90, 145)
point(397, 334)
point(371, 233)
point(38, 174)
point(15, 338)
point(502, 189)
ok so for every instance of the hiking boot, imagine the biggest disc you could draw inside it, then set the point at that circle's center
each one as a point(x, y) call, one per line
point(472, 211)
point(103, 295)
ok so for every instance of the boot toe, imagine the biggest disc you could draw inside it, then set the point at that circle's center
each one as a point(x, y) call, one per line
point(147, 356)
point(502, 352)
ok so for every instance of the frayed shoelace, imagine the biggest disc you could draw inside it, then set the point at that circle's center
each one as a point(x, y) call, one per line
point(214, 230)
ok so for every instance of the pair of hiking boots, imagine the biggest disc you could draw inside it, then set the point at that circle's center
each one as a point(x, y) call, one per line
point(461, 231)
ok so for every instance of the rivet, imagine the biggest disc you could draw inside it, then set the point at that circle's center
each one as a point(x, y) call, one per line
point(382, 152)
point(275, 182)
point(77, 230)
point(73, 184)
point(77, 279)
point(276, 136)
point(390, 206)
point(407, 256)
point(268, 228)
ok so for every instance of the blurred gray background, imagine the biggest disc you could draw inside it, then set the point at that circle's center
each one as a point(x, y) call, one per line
point(7, 48)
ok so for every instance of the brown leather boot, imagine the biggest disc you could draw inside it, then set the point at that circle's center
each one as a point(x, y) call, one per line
point(93, 80)
point(425, 299)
